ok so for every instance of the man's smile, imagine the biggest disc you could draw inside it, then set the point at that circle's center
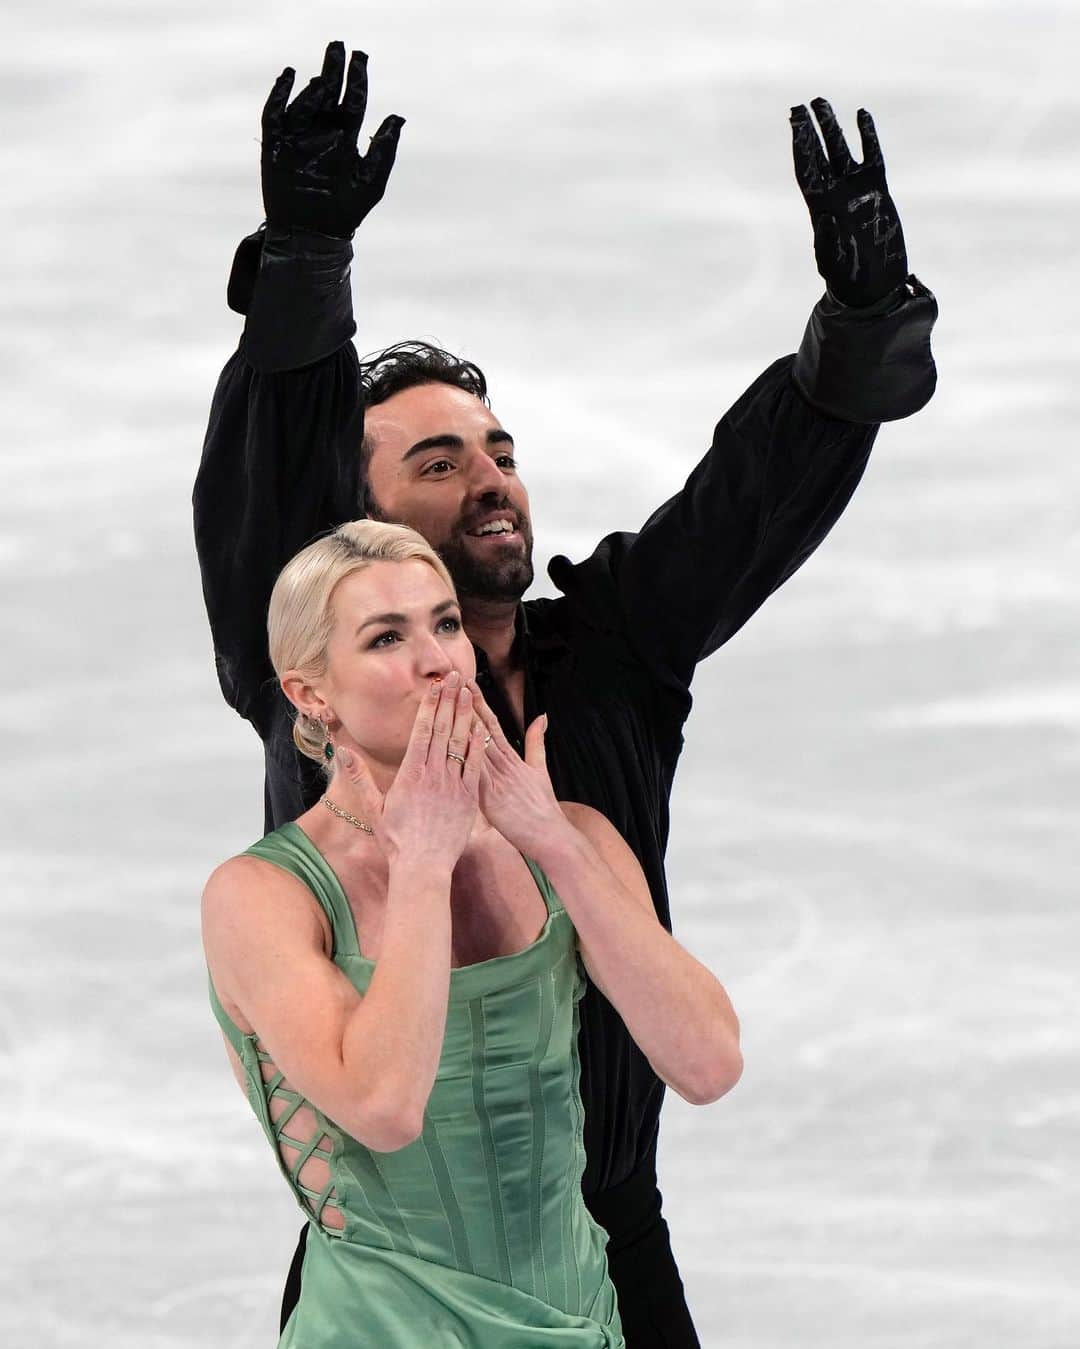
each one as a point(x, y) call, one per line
point(499, 526)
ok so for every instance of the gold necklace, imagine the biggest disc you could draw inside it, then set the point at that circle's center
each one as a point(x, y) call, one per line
point(344, 815)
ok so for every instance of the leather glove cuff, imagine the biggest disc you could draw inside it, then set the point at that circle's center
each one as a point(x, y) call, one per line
point(293, 286)
point(870, 364)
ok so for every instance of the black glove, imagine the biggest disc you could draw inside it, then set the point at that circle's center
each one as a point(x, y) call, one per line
point(858, 242)
point(313, 177)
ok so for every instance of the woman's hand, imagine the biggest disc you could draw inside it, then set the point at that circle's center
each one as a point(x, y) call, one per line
point(428, 813)
point(516, 795)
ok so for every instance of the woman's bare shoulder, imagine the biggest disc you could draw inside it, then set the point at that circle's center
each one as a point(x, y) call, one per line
point(239, 875)
point(249, 890)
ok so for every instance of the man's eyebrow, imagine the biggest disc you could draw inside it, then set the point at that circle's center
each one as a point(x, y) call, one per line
point(446, 441)
point(443, 442)
point(436, 609)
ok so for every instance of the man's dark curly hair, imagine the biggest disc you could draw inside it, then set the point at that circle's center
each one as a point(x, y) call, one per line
point(410, 363)
point(403, 366)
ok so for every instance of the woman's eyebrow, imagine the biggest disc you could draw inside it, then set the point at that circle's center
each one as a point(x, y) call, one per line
point(436, 609)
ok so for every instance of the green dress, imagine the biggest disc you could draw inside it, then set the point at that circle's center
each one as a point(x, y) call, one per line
point(476, 1234)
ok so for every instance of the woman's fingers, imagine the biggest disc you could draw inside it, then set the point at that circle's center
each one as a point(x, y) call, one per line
point(416, 752)
point(361, 785)
point(475, 757)
point(490, 720)
point(444, 718)
point(458, 739)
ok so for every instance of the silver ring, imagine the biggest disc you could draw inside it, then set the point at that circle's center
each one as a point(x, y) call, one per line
point(487, 741)
point(456, 757)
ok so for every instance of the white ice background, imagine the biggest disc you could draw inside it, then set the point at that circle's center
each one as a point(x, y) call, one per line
point(874, 839)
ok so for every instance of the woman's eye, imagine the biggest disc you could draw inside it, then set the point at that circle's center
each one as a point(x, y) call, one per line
point(454, 624)
point(381, 639)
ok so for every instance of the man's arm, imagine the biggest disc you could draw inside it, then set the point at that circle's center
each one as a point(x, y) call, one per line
point(281, 460)
point(787, 457)
point(280, 466)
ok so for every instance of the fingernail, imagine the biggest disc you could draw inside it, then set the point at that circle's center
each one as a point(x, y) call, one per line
point(453, 679)
point(344, 756)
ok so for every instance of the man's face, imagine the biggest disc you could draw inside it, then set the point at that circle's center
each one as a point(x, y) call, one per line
point(441, 463)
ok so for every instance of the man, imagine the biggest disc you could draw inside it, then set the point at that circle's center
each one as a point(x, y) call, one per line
point(302, 438)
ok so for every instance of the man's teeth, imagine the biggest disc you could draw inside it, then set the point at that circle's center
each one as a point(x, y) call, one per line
point(495, 527)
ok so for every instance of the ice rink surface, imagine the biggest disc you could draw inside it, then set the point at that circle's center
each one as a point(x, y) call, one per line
point(874, 838)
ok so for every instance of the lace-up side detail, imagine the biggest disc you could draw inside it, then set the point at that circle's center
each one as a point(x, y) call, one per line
point(305, 1148)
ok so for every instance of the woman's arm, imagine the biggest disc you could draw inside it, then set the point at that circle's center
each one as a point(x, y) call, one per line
point(676, 1010)
point(367, 1062)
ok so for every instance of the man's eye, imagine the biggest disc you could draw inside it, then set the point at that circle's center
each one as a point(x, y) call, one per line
point(439, 463)
point(506, 461)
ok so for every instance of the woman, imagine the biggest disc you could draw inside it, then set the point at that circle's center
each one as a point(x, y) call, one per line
point(396, 974)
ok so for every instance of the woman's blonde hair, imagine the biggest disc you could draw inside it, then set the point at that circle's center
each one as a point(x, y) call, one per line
point(301, 615)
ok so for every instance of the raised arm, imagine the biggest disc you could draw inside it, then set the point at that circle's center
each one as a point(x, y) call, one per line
point(675, 1009)
point(280, 462)
point(785, 460)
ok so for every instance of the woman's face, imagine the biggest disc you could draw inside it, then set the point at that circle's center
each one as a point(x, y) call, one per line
point(397, 627)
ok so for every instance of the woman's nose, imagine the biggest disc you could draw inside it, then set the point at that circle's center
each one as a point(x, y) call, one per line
point(434, 660)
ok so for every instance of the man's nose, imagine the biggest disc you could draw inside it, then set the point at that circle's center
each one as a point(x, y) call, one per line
point(485, 476)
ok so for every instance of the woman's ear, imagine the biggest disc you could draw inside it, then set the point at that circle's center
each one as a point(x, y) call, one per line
point(302, 696)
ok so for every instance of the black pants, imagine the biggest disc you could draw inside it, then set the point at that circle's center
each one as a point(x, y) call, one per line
point(652, 1304)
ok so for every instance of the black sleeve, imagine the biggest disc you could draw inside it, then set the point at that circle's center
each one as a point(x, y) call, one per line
point(280, 462)
point(779, 473)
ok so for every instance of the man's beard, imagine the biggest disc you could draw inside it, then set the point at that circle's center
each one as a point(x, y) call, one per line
point(504, 579)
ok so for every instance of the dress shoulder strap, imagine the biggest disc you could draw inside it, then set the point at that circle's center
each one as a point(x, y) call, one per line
point(289, 848)
point(547, 890)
